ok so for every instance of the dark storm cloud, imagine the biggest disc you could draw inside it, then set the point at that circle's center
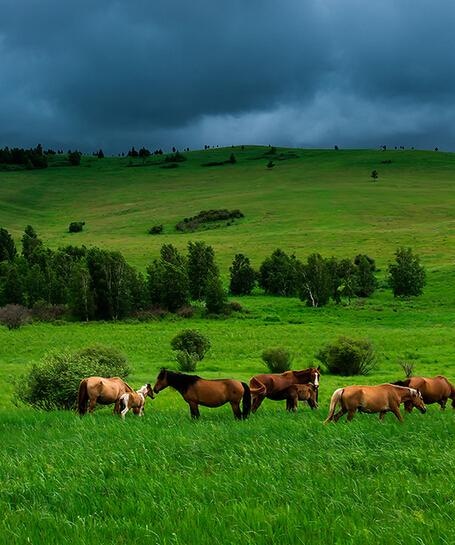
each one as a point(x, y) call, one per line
point(116, 73)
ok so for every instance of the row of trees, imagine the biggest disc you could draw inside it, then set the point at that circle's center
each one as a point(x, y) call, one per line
point(100, 284)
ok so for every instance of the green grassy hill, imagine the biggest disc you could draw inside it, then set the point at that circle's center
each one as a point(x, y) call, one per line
point(276, 478)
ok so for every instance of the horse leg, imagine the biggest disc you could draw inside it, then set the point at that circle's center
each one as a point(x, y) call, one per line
point(396, 412)
point(339, 414)
point(257, 400)
point(443, 402)
point(91, 405)
point(236, 409)
point(123, 413)
point(351, 414)
point(117, 407)
point(194, 409)
point(381, 415)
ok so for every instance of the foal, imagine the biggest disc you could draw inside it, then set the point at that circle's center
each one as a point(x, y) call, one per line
point(135, 400)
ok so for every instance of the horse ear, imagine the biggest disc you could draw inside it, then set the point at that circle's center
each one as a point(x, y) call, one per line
point(318, 368)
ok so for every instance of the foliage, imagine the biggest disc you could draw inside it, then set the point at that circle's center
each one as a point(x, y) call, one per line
point(156, 229)
point(188, 225)
point(407, 367)
point(74, 158)
point(366, 282)
point(76, 226)
point(407, 276)
point(29, 158)
point(7, 247)
point(53, 382)
point(278, 359)
point(191, 341)
point(201, 267)
point(348, 357)
point(243, 276)
point(374, 175)
point(186, 361)
point(14, 316)
point(279, 274)
point(215, 297)
point(315, 281)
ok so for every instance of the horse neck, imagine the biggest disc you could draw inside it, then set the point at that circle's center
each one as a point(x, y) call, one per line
point(303, 377)
point(404, 392)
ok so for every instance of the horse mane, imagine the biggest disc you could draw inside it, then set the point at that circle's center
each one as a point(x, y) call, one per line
point(403, 383)
point(179, 381)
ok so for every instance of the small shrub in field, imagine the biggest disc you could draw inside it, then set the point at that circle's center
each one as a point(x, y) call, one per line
point(186, 311)
point(45, 312)
point(277, 359)
point(54, 381)
point(408, 368)
point(407, 276)
point(156, 229)
point(14, 316)
point(191, 341)
point(186, 362)
point(235, 306)
point(215, 297)
point(76, 226)
point(348, 357)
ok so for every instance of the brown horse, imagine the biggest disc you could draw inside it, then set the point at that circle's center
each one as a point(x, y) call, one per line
point(135, 400)
point(300, 392)
point(434, 390)
point(209, 393)
point(272, 385)
point(93, 390)
point(373, 399)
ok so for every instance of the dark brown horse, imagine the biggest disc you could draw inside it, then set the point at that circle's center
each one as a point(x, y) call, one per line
point(301, 392)
point(272, 385)
point(373, 399)
point(434, 390)
point(208, 393)
point(93, 390)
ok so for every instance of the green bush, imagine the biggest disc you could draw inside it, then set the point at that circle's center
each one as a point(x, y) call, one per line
point(54, 381)
point(277, 359)
point(192, 342)
point(407, 276)
point(348, 357)
point(186, 362)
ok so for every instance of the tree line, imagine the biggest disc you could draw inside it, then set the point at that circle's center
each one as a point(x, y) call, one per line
point(97, 284)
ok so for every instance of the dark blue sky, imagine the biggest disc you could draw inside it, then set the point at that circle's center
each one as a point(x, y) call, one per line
point(113, 74)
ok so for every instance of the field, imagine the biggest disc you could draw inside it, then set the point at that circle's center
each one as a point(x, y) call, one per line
point(276, 478)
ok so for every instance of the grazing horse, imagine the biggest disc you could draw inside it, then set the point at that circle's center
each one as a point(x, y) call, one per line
point(209, 393)
point(300, 392)
point(272, 385)
point(434, 390)
point(93, 390)
point(135, 400)
point(373, 399)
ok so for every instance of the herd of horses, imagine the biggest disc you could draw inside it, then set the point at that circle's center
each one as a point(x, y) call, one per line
point(291, 386)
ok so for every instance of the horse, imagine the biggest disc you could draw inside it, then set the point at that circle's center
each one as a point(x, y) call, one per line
point(135, 400)
point(271, 385)
point(434, 390)
point(373, 399)
point(300, 392)
point(93, 390)
point(208, 393)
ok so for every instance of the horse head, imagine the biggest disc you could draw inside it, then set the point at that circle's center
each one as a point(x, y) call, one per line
point(161, 381)
point(417, 400)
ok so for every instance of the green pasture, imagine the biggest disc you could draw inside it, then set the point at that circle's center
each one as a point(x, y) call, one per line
point(277, 477)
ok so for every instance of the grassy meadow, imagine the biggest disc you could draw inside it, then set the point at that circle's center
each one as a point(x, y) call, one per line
point(276, 478)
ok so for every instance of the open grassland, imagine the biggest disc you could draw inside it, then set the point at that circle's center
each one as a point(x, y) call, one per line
point(276, 478)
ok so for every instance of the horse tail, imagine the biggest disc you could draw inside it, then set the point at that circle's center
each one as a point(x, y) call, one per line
point(452, 393)
point(246, 401)
point(336, 398)
point(122, 403)
point(257, 387)
point(82, 397)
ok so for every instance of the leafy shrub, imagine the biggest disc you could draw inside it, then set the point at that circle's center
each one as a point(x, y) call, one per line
point(74, 158)
point(14, 316)
point(45, 312)
point(191, 341)
point(348, 357)
point(243, 276)
point(76, 226)
point(177, 157)
point(277, 359)
point(316, 281)
point(279, 274)
point(187, 311)
point(235, 306)
point(186, 361)
point(407, 367)
point(188, 225)
point(215, 297)
point(156, 230)
point(406, 276)
point(54, 381)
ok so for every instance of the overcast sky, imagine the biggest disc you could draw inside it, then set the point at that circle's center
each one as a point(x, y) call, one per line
point(312, 73)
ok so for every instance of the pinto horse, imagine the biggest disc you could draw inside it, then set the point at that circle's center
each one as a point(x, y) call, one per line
point(373, 399)
point(208, 393)
point(135, 400)
point(434, 390)
point(93, 390)
point(272, 385)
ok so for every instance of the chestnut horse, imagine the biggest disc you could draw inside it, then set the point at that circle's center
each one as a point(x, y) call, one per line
point(300, 392)
point(373, 399)
point(208, 393)
point(93, 390)
point(434, 390)
point(272, 385)
point(135, 400)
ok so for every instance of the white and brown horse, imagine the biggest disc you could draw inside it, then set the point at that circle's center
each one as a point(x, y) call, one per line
point(373, 399)
point(135, 400)
point(272, 385)
point(93, 390)
point(434, 390)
